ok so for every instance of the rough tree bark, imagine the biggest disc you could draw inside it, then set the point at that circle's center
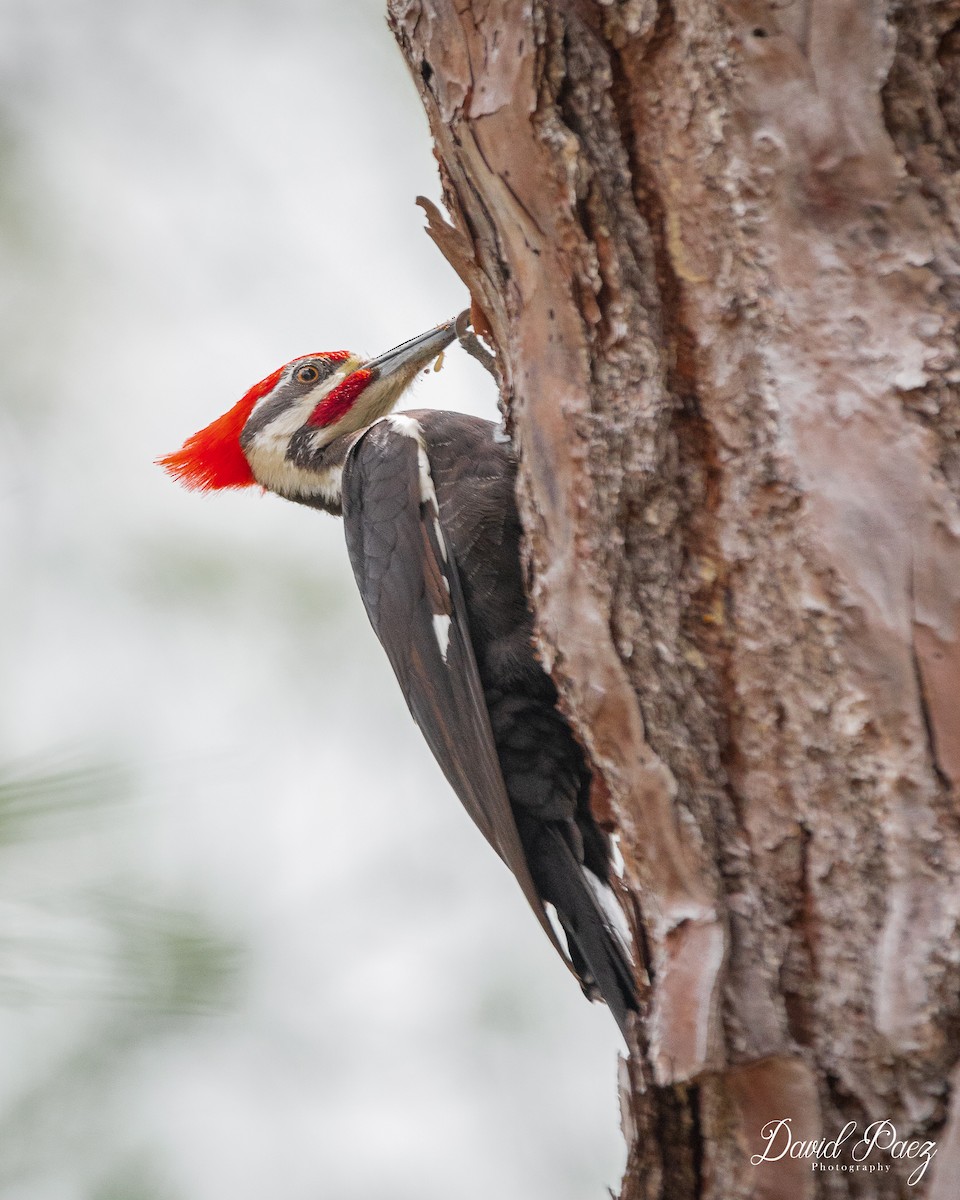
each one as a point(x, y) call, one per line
point(716, 248)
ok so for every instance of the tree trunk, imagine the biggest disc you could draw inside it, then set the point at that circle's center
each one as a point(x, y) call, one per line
point(716, 248)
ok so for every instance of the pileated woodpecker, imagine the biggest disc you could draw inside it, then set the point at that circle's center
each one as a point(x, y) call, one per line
point(432, 531)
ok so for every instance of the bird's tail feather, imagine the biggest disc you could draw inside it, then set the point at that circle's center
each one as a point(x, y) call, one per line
point(594, 945)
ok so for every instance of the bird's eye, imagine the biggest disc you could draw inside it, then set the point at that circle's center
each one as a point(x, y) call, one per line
point(307, 374)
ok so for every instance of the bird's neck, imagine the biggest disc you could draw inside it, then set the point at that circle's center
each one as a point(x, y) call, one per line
point(311, 476)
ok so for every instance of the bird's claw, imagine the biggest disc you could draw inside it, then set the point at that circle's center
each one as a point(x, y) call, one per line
point(471, 343)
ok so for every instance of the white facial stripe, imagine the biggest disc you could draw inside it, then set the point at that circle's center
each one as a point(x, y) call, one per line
point(266, 451)
point(274, 471)
point(297, 413)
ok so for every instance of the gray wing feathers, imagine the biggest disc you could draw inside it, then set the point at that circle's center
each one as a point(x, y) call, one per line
point(408, 579)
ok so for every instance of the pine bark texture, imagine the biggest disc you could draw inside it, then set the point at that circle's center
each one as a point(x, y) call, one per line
point(716, 247)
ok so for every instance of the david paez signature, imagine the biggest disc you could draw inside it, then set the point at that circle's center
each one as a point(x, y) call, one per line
point(879, 1139)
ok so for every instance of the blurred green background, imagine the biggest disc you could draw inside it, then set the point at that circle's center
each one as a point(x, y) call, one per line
point(250, 945)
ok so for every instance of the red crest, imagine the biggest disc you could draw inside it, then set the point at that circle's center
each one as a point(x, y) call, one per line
point(213, 457)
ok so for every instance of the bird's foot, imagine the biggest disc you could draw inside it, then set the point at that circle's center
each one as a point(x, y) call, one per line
point(471, 343)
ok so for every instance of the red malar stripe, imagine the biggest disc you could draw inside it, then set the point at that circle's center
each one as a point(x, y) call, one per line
point(331, 408)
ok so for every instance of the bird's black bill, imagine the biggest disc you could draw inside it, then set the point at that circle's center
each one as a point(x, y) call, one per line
point(415, 353)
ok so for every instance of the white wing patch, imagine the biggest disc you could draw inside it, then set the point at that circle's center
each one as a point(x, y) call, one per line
point(441, 631)
point(616, 921)
point(408, 426)
point(555, 925)
point(411, 428)
point(428, 493)
point(616, 858)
